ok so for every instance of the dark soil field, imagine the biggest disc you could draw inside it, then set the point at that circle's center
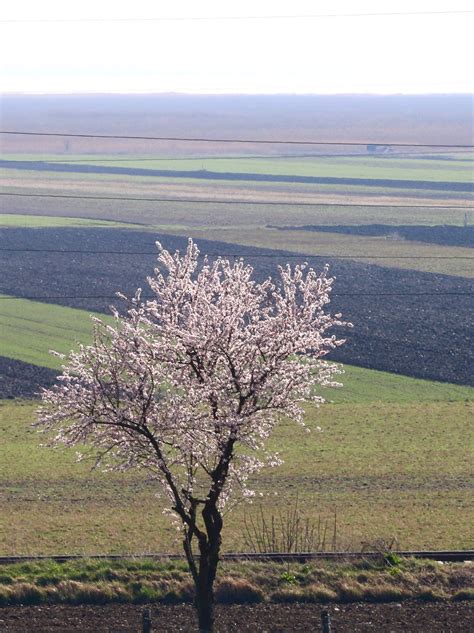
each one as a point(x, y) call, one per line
point(445, 235)
point(19, 379)
point(203, 174)
point(406, 617)
point(407, 322)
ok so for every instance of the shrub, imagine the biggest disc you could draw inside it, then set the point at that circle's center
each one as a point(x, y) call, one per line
point(288, 578)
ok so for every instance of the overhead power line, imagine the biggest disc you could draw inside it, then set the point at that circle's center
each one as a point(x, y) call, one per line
point(233, 255)
point(234, 140)
point(240, 202)
point(232, 18)
point(333, 294)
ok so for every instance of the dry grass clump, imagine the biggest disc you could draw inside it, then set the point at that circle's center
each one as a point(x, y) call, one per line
point(319, 593)
point(430, 594)
point(26, 593)
point(350, 591)
point(76, 592)
point(463, 594)
point(462, 578)
point(5, 594)
point(238, 591)
point(385, 592)
point(287, 594)
point(179, 592)
point(311, 593)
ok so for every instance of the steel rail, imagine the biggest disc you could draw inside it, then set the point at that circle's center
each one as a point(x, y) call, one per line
point(297, 557)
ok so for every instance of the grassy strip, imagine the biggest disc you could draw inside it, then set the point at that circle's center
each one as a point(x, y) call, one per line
point(136, 581)
point(362, 385)
point(30, 329)
point(9, 220)
point(346, 167)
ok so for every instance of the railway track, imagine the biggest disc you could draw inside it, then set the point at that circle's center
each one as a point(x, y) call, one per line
point(444, 556)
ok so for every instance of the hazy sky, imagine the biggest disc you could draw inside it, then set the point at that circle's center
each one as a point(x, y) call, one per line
point(115, 46)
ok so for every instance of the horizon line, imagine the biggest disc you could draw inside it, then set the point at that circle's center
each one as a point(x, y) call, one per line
point(231, 94)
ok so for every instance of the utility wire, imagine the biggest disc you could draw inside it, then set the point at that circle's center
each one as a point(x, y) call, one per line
point(241, 202)
point(235, 17)
point(233, 140)
point(333, 294)
point(246, 255)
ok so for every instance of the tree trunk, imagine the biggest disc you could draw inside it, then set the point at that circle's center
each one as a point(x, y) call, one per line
point(208, 561)
point(205, 606)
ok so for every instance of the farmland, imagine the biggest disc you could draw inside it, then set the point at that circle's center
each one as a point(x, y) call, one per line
point(389, 469)
point(457, 181)
point(393, 456)
point(28, 330)
point(448, 167)
point(396, 327)
point(35, 221)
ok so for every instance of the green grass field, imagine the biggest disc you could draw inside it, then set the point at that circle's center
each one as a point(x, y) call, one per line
point(389, 470)
point(30, 329)
point(393, 459)
point(378, 167)
point(10, 220)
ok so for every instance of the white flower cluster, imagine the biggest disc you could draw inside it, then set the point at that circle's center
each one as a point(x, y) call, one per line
point(189, 385)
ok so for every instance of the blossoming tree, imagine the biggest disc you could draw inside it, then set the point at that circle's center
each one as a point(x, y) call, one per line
point(189, 385)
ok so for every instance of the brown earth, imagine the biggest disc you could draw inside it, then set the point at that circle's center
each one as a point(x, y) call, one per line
point(405, 320)
point(409, 617)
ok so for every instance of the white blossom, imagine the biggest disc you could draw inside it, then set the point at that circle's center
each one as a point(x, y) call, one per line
point(189, 385)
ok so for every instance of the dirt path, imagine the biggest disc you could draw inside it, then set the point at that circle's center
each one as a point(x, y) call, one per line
point(406, 617)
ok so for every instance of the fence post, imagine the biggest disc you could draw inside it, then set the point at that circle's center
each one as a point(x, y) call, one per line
point(326, 622)
point(146, 620)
